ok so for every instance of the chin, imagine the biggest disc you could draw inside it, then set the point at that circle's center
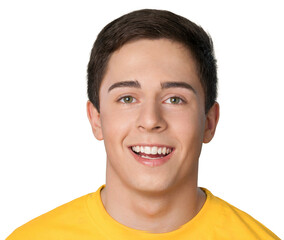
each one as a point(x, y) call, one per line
point(151, 186)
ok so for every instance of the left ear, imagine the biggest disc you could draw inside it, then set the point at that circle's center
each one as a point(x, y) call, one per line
point(212, 119)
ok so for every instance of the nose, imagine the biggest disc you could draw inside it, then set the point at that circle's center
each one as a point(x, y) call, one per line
point(151, 118)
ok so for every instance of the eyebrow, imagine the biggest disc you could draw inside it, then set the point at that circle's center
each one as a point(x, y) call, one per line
point(134, 84)
point(164, 85)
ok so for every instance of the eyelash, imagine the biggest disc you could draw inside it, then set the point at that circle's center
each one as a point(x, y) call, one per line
point(128, 96)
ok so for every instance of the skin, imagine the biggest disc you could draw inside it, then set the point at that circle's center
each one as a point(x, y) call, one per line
point(162, 198)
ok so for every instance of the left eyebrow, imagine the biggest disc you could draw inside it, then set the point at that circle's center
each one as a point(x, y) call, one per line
point(166, 85)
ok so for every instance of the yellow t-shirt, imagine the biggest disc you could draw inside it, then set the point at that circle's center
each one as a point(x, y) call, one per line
point(85, 218)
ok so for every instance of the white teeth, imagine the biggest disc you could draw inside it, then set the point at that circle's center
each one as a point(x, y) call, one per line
point(149, 157)
point(154, 150)
point(147, 150)
point(151, 150)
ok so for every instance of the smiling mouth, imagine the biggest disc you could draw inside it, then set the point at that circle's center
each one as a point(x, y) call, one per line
point(151, 152)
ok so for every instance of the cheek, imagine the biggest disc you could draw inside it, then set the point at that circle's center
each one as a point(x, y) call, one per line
point(115, 125)
point(188, 125)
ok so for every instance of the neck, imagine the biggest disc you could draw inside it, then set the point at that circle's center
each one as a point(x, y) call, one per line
point(155, 213)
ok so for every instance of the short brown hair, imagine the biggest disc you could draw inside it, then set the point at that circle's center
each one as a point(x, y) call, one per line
point(153, 24)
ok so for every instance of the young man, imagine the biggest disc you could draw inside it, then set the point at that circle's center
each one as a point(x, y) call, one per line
point(152, 88)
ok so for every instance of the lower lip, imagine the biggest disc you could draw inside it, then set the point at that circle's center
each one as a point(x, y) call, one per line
point(152, 162)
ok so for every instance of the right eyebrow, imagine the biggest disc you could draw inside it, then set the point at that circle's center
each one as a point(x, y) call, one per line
point(134, 84)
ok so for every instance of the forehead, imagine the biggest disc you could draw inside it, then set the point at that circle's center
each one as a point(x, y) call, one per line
point(151, 61)
point(163, 51)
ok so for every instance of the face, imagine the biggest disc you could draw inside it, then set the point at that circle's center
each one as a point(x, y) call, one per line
point(152, 116)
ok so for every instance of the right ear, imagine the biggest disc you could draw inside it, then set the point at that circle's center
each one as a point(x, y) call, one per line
point(95, 120)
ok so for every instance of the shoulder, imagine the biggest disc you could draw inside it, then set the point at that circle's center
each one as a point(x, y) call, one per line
point(236, 222)
point(51, 223)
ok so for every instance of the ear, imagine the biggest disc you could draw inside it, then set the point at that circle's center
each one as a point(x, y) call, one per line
point(212, 119)
point(95, 120)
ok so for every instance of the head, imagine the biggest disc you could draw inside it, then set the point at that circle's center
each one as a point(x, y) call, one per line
point(153, 24)
point(152, 85)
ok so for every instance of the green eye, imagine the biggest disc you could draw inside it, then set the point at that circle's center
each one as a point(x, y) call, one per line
point(127, 99)
point(174, 100)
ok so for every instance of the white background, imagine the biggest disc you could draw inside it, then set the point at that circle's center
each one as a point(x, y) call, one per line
point(48, 155)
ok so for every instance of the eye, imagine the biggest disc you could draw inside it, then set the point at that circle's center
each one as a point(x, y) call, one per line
point(127, 99)
point(174, 100)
